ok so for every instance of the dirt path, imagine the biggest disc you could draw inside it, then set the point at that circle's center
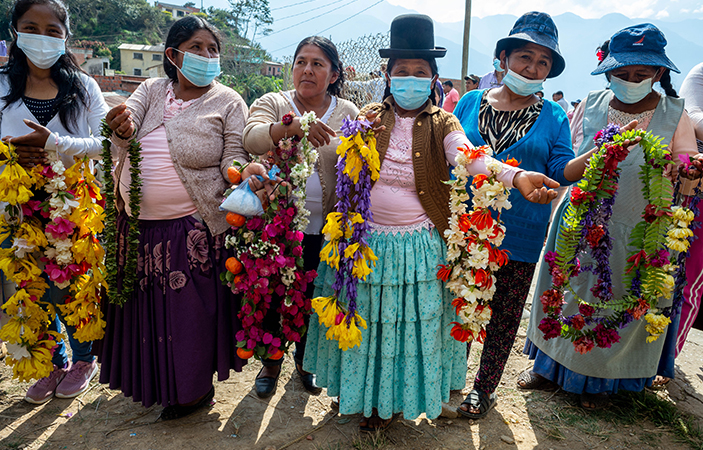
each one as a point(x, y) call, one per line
point(104, 419)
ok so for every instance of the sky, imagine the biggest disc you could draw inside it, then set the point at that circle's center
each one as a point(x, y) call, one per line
point(453, 10)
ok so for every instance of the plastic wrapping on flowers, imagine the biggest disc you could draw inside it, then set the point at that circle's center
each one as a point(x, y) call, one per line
point(654, 265)
point(473, 238)
point(53, 238)
point(267, 270)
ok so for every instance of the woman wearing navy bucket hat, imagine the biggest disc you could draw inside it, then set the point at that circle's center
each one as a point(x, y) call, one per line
point(518, 124)
point(632, 61)
point(407, 361)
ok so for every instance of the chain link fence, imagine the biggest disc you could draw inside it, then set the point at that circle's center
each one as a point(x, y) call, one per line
point(363, 68)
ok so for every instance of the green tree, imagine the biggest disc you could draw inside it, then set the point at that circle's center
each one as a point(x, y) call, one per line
point(254, 15)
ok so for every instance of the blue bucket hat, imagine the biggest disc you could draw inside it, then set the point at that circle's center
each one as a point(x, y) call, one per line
point(538, 28)
point(637, 45)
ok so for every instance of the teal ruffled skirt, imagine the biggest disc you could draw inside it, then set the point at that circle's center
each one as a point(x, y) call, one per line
point(407, 361)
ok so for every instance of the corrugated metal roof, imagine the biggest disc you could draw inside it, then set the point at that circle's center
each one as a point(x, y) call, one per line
point(144, 48)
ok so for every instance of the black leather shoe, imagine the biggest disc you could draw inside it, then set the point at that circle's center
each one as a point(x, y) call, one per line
point(309, 381)
point(266, 386)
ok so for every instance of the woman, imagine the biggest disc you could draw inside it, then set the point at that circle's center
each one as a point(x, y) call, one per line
point(318, 78)
point(518, 124)
point(164, 344)
point(407, 361)
point(633, 61)
point(47, 103)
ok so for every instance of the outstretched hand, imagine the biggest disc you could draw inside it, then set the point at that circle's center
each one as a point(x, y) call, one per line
point(536, 187)
point(376, 127)
point(30, 147)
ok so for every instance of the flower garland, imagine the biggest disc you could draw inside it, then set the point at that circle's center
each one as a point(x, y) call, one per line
point(269, 254)
point(72, 257)
point(346, 230)
point(473, 239)
point(649, 272)
point(122, 291)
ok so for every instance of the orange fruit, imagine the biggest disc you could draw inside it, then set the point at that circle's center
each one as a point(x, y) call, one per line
point(233, 265)
point(278, 355)
point(244, 353)
point(234, 175)
point(234, 219)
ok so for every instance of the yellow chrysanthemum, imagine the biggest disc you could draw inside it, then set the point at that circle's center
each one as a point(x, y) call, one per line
point(679, 245)
point(656, 324)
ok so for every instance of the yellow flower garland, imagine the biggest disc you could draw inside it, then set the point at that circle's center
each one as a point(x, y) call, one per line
point(29, 340)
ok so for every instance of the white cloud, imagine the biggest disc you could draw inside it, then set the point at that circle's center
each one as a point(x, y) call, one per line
point(662, 14)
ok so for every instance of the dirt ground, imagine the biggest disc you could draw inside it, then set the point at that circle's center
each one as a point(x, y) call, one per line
point(105, 419)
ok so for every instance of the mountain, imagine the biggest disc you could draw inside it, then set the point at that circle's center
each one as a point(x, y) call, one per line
point(578, 38)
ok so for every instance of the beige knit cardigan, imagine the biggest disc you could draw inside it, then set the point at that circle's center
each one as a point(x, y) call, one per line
point(271, 108)
point(203, 141)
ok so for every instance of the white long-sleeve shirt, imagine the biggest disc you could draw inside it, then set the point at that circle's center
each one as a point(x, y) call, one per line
point(85, 140)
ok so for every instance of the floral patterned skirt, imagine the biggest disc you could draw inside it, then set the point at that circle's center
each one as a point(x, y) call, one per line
point(407, 361)
point(164, 345)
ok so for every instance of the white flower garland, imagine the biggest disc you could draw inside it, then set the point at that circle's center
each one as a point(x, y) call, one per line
point(307, 157)
point(473, 239)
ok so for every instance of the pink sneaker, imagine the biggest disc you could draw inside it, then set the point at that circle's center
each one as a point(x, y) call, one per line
point(43, 390)
point(77, 379)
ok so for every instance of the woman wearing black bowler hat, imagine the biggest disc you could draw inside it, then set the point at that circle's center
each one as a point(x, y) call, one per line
point(407, 361)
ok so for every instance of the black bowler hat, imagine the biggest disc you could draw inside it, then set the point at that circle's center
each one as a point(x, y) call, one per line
point(412, 36)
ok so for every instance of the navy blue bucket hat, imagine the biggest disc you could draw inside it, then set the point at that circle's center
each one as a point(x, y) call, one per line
point(537, 28)
point(637, 45)
point(412, 36)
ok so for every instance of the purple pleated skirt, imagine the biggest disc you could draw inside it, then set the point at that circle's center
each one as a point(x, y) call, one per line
point(164, 345)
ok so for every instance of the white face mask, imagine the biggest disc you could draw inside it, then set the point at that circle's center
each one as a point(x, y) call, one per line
point(42, 50)
point(628, 92)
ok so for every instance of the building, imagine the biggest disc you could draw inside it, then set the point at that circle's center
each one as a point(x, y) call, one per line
point(272, 69)
point(176, 11)
point(142, 60)
point(93, 65)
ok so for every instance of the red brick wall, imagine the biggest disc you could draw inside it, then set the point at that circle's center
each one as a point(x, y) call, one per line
point(114, 83)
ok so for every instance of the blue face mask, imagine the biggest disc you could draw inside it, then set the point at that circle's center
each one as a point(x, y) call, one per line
point(410, 93)
point(628, 92)
point(199, 70)
point(496, 65)
point(521, 85)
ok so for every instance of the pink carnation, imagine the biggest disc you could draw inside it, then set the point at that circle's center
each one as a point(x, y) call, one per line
point(583, 345)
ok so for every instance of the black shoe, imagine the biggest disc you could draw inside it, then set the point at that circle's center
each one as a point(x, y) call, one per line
point(174, 412)
point(309, 381)
point(266, 386)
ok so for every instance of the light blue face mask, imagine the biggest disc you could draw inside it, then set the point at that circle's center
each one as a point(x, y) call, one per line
point(496, 65)
point(199, 70)
point(628, 92)
point(42, 50)
point(521, 85)
point(410, 93)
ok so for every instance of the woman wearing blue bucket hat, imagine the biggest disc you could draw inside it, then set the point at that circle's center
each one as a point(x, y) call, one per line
point(632, 61)
point(518, 124)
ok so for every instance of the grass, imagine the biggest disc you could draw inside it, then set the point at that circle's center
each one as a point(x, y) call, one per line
point(375, 441)
point(627, 409)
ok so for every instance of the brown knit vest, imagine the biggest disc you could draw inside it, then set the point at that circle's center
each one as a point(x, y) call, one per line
point(430, 165)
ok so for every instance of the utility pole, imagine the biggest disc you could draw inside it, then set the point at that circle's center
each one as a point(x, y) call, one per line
point(465, 53)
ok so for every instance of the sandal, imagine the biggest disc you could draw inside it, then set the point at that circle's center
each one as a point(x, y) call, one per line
point(599, 401)
point(659, 382)
point(174, 412)
point(368, 429)
point(532, 381)
point(480, 400)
